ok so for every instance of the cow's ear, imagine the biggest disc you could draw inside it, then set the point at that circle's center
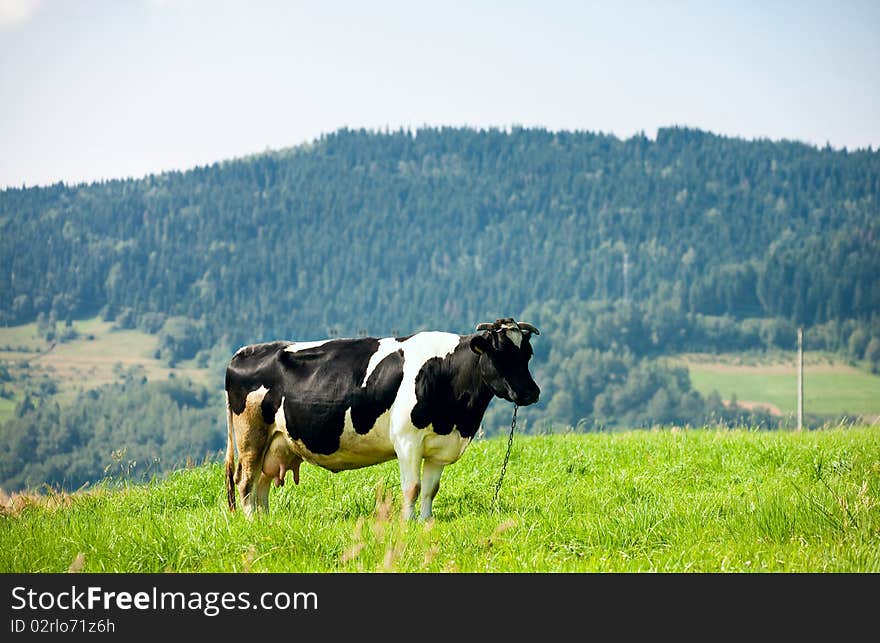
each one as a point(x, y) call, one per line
point(480, 344)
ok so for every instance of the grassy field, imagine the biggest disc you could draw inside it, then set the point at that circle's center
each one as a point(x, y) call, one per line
point(699, 500)
point(831, 387)
point(91, 360)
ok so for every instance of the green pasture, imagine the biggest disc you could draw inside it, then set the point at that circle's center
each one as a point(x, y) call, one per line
point(824, 393)
point(831, 386)
point(696, 500)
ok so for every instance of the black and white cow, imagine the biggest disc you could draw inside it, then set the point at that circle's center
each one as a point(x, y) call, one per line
point(350, 403)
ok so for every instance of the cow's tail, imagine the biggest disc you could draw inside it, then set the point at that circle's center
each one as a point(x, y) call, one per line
point(230, 458)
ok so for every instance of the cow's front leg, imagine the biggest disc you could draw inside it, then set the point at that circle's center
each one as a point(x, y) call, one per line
point(409, 457)
point(431, 473)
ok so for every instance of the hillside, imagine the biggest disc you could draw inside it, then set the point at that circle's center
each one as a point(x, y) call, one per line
point(93, 354)
point(669, 501)
point(441, 228)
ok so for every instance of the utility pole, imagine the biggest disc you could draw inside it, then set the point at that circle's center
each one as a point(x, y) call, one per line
point(800, 380)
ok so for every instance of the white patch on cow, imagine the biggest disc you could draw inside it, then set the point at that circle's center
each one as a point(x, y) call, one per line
point(355, 450)
point(421, 347)
point(444, 449)
point(280, 455)
point(386, 347)
point(280, 427)
point(256, 396)
point(515, 335)
point(373, 446)
point(301, 346)
point(280, 422)
point(417, 350)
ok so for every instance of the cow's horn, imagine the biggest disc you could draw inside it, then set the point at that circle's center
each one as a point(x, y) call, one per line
point(485, 326)
point(528, 327)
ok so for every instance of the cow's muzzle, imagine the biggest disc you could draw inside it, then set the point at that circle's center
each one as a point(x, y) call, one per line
point(525, 399)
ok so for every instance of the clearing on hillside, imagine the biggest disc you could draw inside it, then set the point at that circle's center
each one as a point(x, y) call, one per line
point(831, 386)
point(95, 357)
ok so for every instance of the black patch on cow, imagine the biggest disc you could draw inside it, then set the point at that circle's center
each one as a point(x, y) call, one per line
point(433, 398)
point(269, 405)
point(450, 393)
point(318, 385)
point(371, 401)
point(403, 339)
point(248, 369)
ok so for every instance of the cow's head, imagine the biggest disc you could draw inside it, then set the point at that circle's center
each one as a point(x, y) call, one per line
point(505, 351)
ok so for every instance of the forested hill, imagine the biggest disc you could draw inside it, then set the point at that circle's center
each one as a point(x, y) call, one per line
point(441, 228)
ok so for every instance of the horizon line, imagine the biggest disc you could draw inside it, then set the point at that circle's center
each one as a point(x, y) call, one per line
point(413, 131)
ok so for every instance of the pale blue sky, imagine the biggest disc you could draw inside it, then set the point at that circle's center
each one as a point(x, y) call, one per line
point(100, 89)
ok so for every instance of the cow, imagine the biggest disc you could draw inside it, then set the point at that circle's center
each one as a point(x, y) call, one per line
point(349, 403)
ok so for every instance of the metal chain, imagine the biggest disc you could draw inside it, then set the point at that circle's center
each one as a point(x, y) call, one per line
point(506, 455)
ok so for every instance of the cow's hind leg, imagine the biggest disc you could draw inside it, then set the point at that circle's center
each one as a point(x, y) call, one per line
point(251, 485)
point(260, 492)
point(251, 435)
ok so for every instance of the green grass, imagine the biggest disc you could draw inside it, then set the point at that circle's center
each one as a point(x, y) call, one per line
point(7, 407)
point(24, 336)
point(699, 500)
